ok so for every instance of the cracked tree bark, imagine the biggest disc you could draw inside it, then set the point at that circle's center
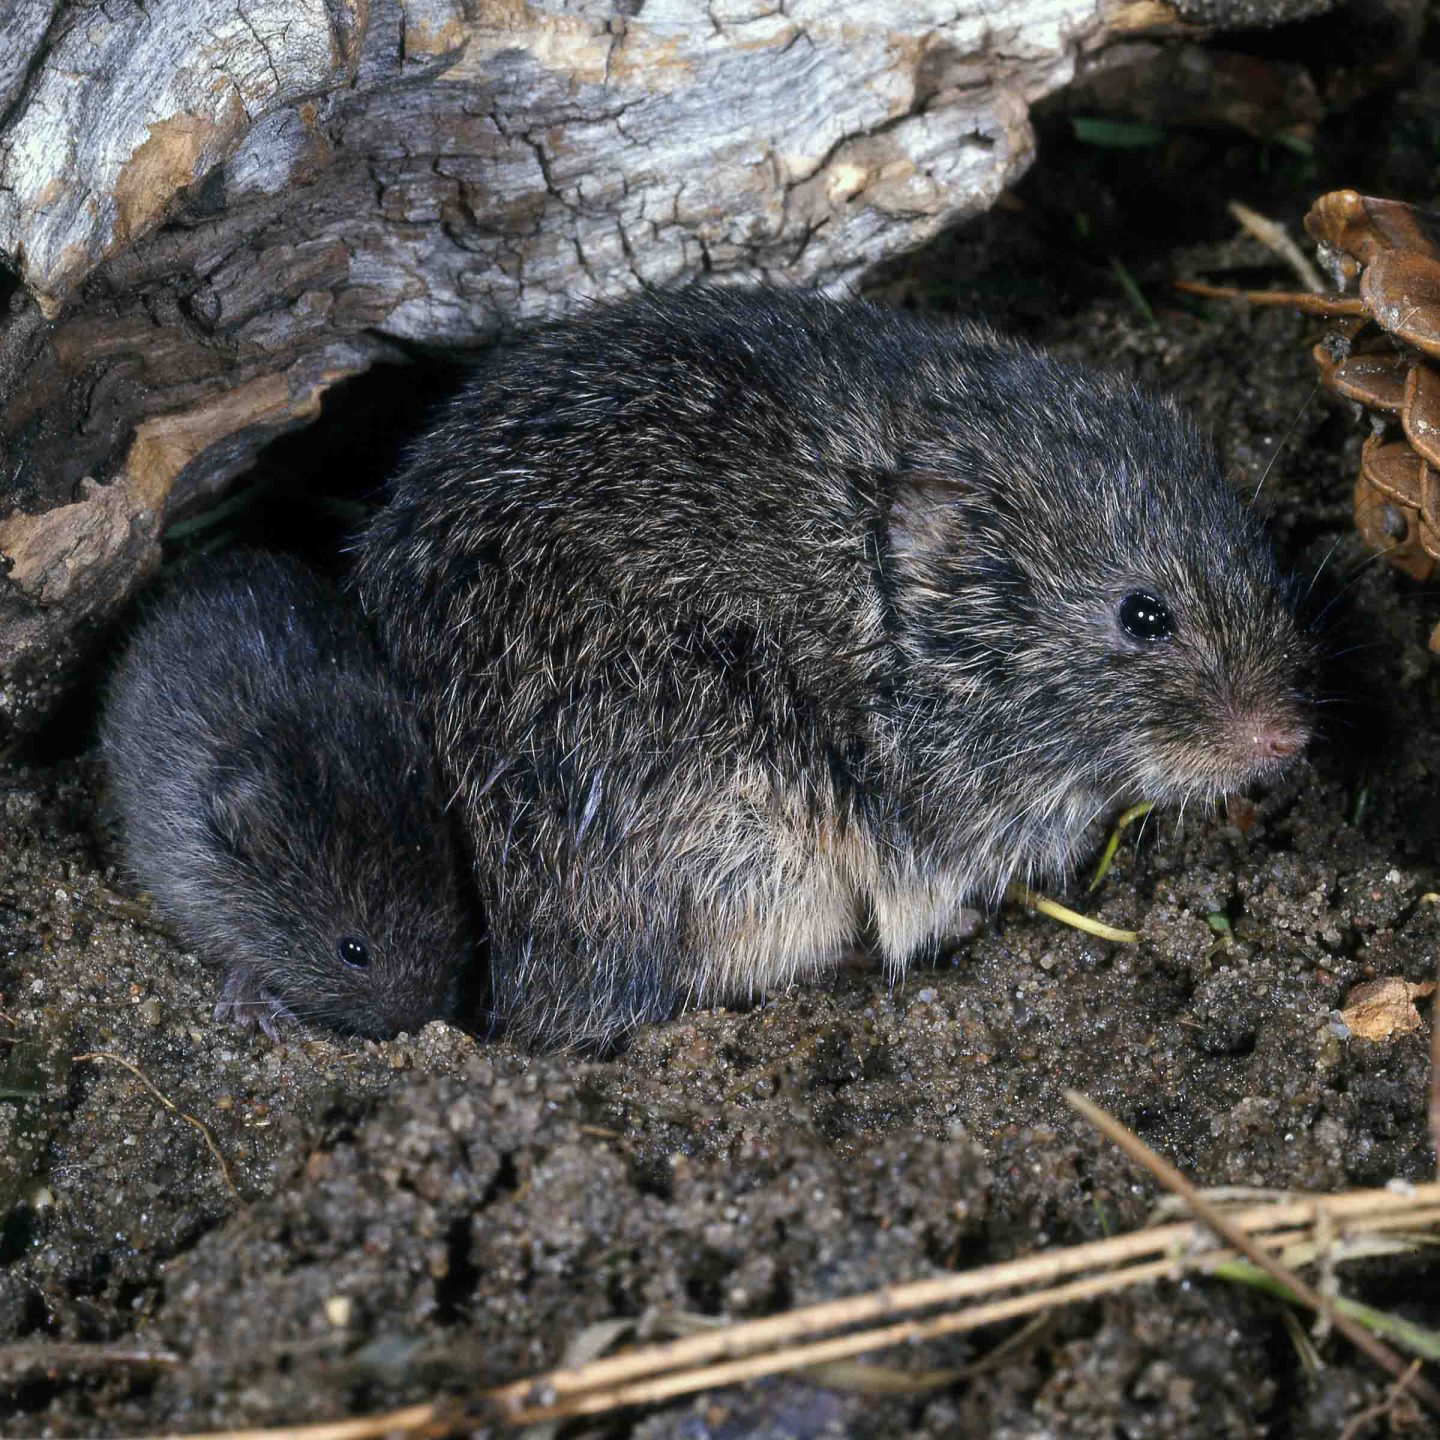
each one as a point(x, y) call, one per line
point(214, 210)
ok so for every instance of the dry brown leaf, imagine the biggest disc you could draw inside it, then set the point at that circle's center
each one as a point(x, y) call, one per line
point(1381, 1008)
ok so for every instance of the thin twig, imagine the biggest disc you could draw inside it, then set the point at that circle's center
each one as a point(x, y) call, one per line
point(1234, 1236)
point(94, 1055)
point(1356, 1423)
point(1299, 300)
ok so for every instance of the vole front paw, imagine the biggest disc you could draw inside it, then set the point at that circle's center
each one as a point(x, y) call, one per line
point(247, 1003)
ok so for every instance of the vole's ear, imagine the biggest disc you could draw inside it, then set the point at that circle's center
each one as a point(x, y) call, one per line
point(924, 516)
point(233, 803)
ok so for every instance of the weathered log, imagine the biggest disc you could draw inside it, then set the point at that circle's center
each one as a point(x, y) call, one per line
point(216, 209)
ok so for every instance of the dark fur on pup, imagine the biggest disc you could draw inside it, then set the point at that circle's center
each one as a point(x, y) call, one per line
point(279, 801)
point(742, 614)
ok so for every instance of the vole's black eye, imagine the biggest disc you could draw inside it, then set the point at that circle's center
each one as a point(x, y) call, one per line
point(1146, 617)
point(353, 951)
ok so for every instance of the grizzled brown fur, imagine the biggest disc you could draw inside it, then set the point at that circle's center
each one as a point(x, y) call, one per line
point(744, 616)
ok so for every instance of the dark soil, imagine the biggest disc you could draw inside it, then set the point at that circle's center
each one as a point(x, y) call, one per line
point(425, 1216)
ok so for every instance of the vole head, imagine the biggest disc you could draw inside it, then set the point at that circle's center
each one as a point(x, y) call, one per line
point(1096, 609)
point(350, 909)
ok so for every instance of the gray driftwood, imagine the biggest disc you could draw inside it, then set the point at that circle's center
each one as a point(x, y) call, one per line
point(215, 210)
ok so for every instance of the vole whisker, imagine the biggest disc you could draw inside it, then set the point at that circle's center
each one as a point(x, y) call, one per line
point(1351, 580)
point(1284, 440)
point(1335, 545)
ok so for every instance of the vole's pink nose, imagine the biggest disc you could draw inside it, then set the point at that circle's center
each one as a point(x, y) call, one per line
point(1265, 738)
point(1279, 743)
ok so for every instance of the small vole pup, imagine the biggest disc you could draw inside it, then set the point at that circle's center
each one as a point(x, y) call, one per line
point(742, 616)
point(278, 800)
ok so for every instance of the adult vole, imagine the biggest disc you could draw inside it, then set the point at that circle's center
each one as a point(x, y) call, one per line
point(741, 614)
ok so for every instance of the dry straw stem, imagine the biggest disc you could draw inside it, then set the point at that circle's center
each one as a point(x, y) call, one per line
point(415, 1422)
point(1233, 1235)
point(1435, 1075)
point(1275, 238)
point(788, 1342)
point(655, 1388)
point(53, 1357)
point(1432, 899)
point(93, 1056)
point(725, 1356)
